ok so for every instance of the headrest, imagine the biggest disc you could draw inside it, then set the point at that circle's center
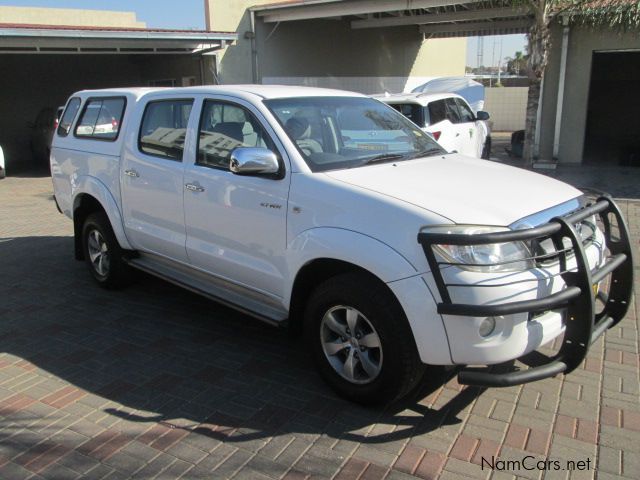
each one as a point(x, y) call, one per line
point(298, 128)
point(230, 129)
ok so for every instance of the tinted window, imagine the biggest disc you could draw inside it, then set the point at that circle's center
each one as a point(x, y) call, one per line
point(67, 118)
point(412, 111)
point(466, 115)
point(164, 127)
point(453, 114)
point(101, 118)
point(224, 127)
point(437, 112)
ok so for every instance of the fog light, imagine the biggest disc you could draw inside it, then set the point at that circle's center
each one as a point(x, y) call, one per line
point(487, 326)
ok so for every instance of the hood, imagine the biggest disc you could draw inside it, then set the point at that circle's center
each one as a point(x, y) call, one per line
point(465, 190)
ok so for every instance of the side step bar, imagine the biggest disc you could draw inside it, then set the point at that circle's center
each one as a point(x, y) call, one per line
point(251, 303)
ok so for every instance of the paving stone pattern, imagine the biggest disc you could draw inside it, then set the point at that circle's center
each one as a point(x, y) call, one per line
point(155, 382)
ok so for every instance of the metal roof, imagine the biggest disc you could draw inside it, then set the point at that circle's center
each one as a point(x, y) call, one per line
point(434, 18)
point(27, 38)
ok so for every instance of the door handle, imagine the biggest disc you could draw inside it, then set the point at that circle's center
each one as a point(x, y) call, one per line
point(194, 187)
point(131, 173)
point(458, 134)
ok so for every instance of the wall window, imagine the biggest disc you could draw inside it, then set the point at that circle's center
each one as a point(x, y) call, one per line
point(101, 118)
point(68, 116)
point(164, 127)
point(224, 127)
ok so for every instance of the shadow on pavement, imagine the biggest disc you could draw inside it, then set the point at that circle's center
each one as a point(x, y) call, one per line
point(159, 353)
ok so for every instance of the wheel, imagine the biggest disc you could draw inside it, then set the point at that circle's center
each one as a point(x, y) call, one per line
point(486, 149)
point(361, 340)
point(102, 252)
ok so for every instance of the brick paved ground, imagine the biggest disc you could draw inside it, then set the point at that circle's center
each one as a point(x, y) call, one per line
point(154, 382)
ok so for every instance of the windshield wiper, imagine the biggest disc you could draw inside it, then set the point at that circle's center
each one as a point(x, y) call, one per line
point(428, 152)
point(384, 157)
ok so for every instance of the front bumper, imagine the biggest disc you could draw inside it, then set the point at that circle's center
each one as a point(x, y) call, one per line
point(583, 325)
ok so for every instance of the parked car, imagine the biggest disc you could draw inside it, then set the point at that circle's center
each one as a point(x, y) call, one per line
point(98, 120)
point(390, 254)
point(41, 135)
point(59, 111)
point(470, 90)
point(449, 120)
point(3, 173)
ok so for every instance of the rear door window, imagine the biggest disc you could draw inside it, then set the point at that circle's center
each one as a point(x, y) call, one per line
point(412, 111)
point(164, 127)
point(101, 118)
point(437, 112)
point(69, 115)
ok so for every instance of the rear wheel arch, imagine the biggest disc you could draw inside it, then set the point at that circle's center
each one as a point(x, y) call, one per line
point(83, 205)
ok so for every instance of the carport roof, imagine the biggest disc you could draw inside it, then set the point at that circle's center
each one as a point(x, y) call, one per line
point(434, 18)
point(27, 38)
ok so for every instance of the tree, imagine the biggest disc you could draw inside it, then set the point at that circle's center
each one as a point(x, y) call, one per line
point(517, 63)
point(619, 14)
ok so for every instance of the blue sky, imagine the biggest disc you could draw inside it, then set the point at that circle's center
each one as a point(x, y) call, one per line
point(189, 14)
point(157, 13)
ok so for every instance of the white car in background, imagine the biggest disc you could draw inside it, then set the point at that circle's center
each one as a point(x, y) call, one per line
point(448, 118)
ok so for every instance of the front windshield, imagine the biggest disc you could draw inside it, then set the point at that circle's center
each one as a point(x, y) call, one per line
point(344, 132)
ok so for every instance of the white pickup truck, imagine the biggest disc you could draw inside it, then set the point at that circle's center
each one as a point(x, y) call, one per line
point(331, 213)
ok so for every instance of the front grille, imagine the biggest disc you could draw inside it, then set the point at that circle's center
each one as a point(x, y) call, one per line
point(547, 252)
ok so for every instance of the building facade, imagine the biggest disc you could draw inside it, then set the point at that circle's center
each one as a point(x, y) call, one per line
point(590, 102)
point(326, 49)
point(47, 54)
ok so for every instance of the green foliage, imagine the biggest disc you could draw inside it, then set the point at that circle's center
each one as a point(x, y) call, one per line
point(618, 14)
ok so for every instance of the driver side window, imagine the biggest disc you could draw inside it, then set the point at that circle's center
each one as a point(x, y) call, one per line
point(225, 127)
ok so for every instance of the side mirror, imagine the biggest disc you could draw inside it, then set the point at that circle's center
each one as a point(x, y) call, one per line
point(253, 161)
point(482, 115)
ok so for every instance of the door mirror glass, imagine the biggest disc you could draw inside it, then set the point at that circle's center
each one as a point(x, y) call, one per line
point(482, 115)
point(253, 161)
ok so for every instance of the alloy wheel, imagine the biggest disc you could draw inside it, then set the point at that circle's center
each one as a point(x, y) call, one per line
point(351, 344)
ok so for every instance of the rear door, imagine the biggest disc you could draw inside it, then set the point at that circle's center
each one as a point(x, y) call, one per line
point(439, 125)
point(152, 177)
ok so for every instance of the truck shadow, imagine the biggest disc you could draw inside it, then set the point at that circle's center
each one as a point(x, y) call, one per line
point(159, 354)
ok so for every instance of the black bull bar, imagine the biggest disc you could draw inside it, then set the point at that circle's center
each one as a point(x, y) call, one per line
point(583, 325)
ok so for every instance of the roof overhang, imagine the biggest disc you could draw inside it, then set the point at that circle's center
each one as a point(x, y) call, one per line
point(97, 40)
point(434, 18)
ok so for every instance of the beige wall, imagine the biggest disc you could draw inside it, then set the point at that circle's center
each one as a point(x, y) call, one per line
point(234, 63)
point(67, 16)
point(507, 107)
point(582, 43)
point(327, 48)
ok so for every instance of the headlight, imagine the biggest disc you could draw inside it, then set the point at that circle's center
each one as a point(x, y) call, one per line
point(493, 257)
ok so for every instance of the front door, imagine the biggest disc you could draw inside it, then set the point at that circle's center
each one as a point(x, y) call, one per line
point(235, 225)
point(472, 132)
point(153, 179)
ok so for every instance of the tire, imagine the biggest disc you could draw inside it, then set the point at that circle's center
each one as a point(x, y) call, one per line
point(102, 253)
point(486, 149)
point(391, 369)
